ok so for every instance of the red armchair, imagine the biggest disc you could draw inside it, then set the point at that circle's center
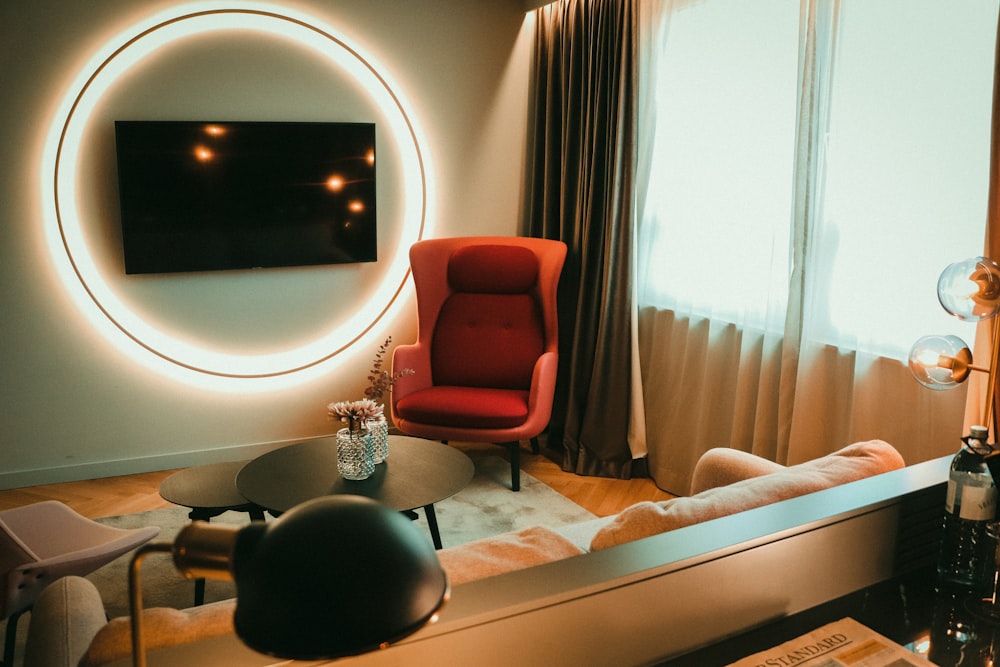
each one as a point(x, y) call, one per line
point(487, 342)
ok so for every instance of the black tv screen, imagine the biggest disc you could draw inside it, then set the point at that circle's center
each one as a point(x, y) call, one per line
point(207, 196)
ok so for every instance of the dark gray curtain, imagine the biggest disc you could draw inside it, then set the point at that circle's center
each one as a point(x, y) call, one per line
point(580, 184)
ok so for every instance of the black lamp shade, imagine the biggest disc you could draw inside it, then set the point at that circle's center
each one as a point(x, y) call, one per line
point(336, 576)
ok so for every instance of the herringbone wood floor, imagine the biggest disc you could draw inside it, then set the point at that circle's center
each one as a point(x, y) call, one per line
point(112, 496)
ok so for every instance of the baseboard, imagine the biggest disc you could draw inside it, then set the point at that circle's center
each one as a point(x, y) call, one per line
point(131, 466)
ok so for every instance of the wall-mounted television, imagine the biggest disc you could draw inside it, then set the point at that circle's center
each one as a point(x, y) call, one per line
point(209, 196)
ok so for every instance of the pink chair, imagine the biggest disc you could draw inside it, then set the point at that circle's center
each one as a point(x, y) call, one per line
point(486, 354)
point(42, 542)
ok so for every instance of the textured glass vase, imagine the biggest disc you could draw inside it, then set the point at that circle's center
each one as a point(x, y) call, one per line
point(379, 429)
point(355, 454)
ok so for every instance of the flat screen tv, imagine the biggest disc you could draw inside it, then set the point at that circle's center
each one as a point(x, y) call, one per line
point(208, 196)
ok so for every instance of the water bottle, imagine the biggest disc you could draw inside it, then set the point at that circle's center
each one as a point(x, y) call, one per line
point(959, 635)
point(967, 554)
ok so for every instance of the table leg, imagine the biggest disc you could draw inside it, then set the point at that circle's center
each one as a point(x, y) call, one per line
point(199, 592)
point(200, 514)
point(432, 523)
point(199, 584)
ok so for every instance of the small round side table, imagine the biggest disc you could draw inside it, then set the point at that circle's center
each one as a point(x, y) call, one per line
point(208, 490)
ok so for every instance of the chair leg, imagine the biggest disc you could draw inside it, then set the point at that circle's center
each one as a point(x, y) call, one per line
point(534, 446)
point(515, 464)
point(10, 638)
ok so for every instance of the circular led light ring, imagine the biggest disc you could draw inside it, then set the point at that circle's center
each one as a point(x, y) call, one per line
point(80, 260)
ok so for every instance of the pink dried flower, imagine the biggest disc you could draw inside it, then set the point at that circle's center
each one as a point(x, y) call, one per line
point(355, 413)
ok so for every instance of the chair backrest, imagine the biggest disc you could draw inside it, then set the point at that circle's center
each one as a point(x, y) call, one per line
point(490, 330)
point(482, 263)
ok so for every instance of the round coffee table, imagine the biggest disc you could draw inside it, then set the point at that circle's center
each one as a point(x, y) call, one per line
point(418, 473)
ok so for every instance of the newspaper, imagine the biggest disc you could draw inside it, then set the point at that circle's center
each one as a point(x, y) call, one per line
point(843, 643)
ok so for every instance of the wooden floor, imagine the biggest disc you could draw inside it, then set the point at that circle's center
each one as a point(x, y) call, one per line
point(113, 496)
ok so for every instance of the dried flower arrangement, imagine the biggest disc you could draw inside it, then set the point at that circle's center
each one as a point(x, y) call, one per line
point(381, 380)
point(358, 413)
point(355, 413)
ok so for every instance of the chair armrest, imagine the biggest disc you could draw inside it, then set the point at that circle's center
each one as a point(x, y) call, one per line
point(543, 386)
point(722, 466)
point(417, 358)
point(66, 617)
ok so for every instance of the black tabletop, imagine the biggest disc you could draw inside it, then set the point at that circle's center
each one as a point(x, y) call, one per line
point(417, 473)
point(211, 487)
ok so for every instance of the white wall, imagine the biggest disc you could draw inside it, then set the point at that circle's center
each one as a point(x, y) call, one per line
point(79, 397)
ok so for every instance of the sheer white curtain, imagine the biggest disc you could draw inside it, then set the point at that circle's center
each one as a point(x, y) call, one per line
point(808, 168)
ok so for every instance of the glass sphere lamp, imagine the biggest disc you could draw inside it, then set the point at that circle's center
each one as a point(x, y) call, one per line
point(970, 291)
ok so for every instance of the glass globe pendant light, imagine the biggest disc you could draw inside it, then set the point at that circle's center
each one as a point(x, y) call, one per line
point(941, 362)
point(970, 291)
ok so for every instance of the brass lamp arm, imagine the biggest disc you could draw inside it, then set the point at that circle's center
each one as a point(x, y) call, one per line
point(201, 550)
point(135, 597)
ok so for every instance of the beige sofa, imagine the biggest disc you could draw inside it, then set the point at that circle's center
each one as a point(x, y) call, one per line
point(68, 626)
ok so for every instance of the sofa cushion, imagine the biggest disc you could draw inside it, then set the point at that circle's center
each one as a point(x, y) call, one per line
point(491, 556)
point(162, 627)
point(851, 463)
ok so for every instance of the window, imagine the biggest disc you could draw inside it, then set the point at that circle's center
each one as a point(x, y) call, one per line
point(898, 179)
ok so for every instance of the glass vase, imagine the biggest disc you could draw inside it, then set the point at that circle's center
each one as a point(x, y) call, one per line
point(379, 429)
point(355, 454)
